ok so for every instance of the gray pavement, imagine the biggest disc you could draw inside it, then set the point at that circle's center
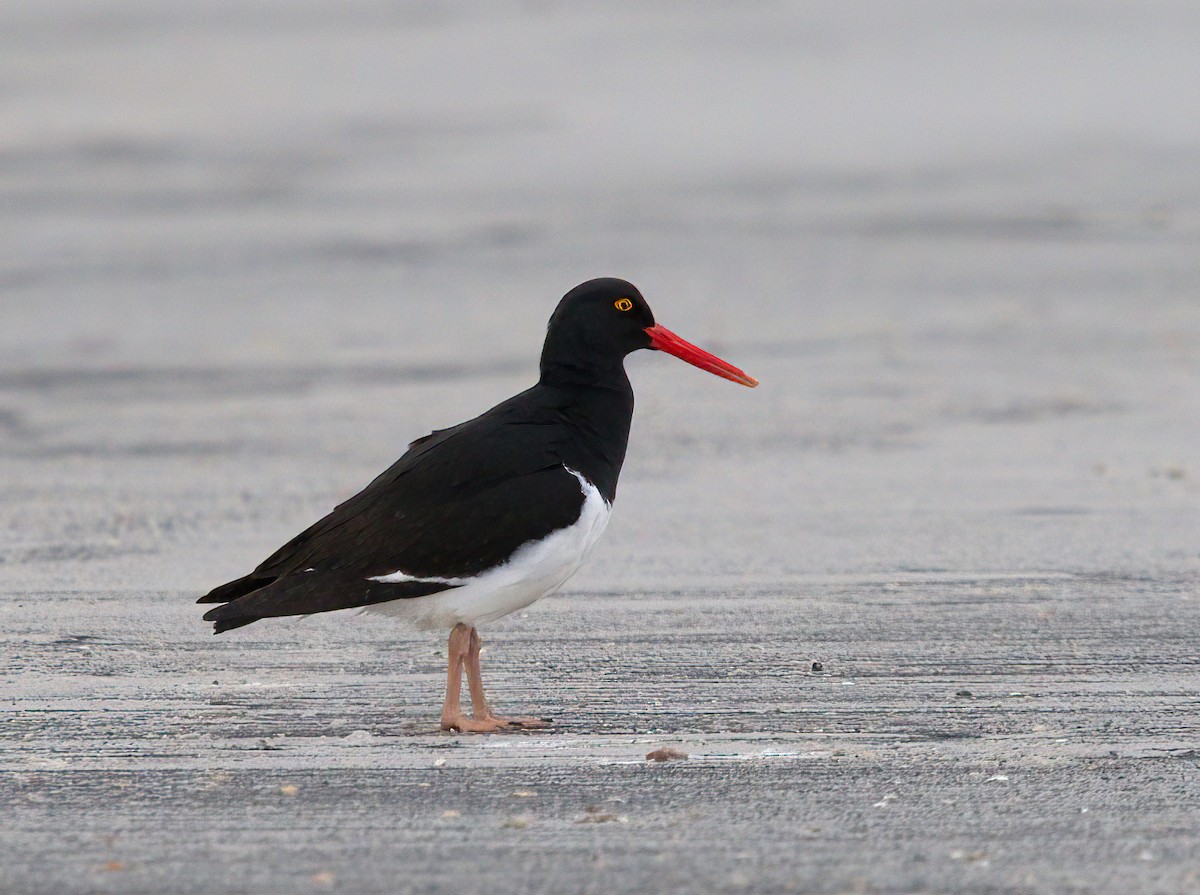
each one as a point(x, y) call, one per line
point(250, 250)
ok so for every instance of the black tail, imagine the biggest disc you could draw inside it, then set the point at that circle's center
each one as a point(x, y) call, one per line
point(250, 599)
point(227, 624)
point(232, 591)
point(235, 589)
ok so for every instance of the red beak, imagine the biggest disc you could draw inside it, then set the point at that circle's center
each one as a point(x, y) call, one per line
point(662, 339)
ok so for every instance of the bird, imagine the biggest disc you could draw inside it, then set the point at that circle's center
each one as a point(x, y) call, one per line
point(484, 518)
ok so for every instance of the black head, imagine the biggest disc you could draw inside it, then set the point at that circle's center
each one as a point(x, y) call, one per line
point(594, 326)
point(599, 322)
point(605, 316)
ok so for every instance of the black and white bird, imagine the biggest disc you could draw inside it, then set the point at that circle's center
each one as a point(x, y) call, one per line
point(481, 519)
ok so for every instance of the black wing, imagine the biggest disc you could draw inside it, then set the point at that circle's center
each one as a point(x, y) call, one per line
point(459, 502)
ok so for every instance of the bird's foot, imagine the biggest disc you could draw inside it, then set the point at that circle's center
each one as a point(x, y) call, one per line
point(492, 724)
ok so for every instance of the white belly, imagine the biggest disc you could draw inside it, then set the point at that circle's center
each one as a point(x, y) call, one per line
point(535, 570)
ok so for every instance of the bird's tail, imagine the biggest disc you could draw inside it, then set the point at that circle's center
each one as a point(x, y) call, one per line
point(222, 619)
point(250, 599)
point(239, 588)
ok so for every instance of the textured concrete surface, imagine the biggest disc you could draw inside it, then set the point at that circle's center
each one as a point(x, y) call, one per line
point(251, 250)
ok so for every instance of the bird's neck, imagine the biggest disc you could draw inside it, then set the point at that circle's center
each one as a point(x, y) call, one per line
point(598, 415)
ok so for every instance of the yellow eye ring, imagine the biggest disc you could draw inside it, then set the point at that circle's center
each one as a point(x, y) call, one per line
point(623, 304)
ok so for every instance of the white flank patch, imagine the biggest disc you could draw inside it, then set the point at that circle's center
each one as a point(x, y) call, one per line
point(535, 570)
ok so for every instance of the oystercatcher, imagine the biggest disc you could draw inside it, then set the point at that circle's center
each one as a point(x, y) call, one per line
point(481, 519)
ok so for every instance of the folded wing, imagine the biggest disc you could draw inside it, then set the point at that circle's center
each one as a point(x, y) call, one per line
point(449, 509)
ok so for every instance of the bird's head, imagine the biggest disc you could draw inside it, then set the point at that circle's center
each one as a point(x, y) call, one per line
point(601, 321)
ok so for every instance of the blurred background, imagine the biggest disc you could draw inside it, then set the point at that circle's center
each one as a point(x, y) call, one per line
point(250, 249)
point(921, 607)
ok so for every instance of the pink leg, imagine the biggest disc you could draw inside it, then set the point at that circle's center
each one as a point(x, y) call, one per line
point(459, 644)
point(464, 652)
point(479, 705)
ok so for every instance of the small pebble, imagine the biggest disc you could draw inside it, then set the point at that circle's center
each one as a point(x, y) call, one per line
point(666, 754)
point(595, 814)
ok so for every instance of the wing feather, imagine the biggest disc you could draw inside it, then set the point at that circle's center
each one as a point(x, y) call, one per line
point(460, 501)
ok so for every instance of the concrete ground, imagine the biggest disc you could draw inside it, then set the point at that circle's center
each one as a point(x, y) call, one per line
point(923, 610)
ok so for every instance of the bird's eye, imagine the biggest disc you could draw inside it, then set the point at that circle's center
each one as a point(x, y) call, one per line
point(623, 304)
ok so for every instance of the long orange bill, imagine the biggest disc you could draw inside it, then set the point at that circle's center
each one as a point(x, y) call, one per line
point(662, 339)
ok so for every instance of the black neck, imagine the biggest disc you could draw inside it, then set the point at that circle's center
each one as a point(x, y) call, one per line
point(598, 414)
